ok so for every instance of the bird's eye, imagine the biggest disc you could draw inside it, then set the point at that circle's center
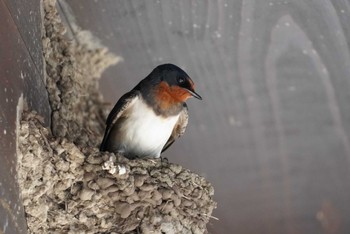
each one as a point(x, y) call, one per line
point(181, 80)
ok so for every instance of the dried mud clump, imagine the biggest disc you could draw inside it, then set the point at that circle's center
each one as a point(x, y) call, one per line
point(72, 74)
point(68, 186)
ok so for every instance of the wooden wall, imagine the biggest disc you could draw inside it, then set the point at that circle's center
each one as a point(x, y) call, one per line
point(21, 77)
point(272, 133)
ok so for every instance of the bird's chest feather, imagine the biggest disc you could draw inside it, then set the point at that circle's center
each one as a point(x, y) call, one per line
point(146, 131)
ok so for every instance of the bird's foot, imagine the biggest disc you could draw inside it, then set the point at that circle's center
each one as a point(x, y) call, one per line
point(164, 159)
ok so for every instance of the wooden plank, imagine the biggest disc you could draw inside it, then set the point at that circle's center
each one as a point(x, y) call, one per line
point(272, 133)
point(18, 77)
point(27, 16)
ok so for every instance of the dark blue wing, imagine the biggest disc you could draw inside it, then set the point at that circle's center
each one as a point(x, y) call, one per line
point(116, 112)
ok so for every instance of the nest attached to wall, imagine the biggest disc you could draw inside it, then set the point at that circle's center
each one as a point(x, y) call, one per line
point(68, 186)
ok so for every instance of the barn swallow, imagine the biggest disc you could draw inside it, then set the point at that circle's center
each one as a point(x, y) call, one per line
point(148, 119)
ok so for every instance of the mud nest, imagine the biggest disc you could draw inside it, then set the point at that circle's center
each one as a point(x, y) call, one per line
point(68, 186)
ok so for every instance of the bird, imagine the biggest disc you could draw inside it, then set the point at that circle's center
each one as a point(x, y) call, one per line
point(148, 119)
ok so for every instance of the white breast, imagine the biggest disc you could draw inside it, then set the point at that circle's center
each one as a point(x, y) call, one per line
point(145, 132)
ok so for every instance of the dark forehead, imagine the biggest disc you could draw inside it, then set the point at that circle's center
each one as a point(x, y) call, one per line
point(172, 68)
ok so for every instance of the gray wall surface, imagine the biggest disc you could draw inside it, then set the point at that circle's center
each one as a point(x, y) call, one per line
point(272, 133)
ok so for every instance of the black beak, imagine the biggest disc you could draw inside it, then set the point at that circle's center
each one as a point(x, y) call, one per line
point(194, 94)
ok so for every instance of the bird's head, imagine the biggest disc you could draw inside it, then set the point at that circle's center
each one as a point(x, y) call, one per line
point(174, 83)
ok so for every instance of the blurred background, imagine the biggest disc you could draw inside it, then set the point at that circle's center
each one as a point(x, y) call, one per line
point(272, 131)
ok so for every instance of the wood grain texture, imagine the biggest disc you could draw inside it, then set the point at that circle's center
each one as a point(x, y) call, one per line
point(272, 133)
